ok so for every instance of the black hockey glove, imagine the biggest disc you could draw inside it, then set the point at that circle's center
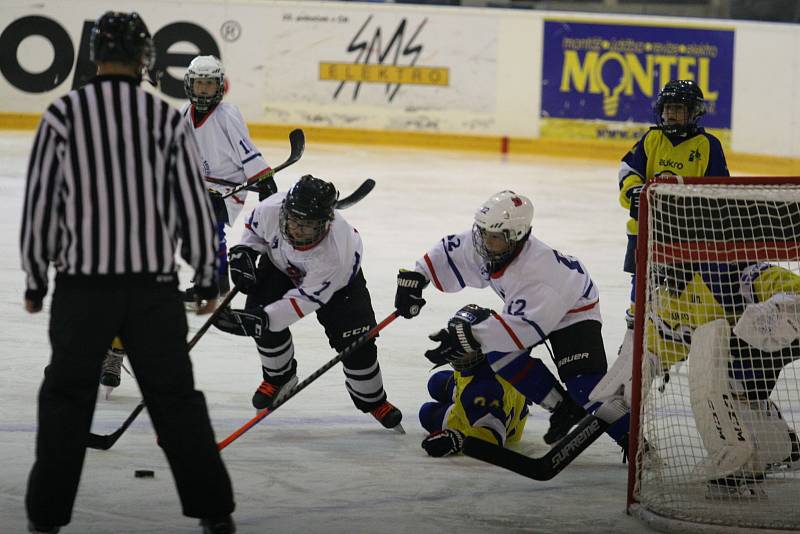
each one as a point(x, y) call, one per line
point(265, 188)
point(218, 204)
point(633, 195)
point(457, 340)
point(443, 443)
point(242, 262)
point(250, 322)
point(408, 299)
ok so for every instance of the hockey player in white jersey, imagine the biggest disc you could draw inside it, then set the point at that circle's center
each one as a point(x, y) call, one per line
point(229, 156)
point(547, 296)
point(298, 256)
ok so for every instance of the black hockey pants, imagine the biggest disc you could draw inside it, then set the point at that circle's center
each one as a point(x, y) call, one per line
point(148, 315)
point(345, 317)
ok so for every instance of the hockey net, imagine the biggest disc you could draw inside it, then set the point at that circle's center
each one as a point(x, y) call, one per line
point(714, 418)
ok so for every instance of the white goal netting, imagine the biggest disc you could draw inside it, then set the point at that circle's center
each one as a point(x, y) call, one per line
point(719, 311)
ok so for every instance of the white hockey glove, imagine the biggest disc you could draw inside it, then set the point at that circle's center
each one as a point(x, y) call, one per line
point(771, 325)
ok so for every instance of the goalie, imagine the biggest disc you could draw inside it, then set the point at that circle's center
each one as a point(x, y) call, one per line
point(737, 326)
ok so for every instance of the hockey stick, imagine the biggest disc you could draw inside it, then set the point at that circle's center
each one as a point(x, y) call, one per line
point(105, 442)
point(560, 456)
point(357, 344)
point(360, 192)
point(297, 141)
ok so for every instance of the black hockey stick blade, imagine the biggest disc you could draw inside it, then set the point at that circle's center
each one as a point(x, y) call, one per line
point(297, 142)
point(356, 196)
point(545, 467)
point(103, 443)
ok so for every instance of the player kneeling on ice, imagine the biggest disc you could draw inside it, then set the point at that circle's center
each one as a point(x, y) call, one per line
point(298, 256)
point(546, 296)
point(470, 400)
point(732, 372)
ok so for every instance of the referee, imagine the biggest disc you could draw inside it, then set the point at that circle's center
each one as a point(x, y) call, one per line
point(113, 187)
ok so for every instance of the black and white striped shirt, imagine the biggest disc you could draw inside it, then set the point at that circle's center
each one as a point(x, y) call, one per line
point(114, 184)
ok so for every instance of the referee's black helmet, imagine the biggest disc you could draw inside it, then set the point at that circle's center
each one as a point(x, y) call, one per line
point(122, 38)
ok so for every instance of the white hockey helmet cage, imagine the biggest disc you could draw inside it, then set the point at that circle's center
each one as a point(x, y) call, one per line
point(505, 213)
point(204, 67)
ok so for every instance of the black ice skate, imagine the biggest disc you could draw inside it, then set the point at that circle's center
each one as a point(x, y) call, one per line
point(564, 417)
point(222, 525)
point(389, 416)
point(271, 390)
point(111, 374)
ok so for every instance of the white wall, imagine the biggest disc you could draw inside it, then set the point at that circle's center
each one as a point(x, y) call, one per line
point(493, 58)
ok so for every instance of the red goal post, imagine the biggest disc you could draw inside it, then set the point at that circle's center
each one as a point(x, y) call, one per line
point(686, 223)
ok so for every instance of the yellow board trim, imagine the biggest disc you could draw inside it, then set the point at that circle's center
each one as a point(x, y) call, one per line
point(739, 163)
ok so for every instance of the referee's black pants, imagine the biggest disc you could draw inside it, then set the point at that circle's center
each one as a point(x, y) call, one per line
point(148, 315)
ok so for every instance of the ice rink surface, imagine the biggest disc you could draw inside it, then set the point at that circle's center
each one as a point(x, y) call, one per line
point(317, 464)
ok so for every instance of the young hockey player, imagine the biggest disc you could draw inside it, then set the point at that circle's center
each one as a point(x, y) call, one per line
point(229, 156)
point(546, 295)
point(675, 146)
point(471, 400)
point(310, 261)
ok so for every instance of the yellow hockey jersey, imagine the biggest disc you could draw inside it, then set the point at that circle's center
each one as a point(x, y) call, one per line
point(700, 293)
point(655, 154)
point(487, 407)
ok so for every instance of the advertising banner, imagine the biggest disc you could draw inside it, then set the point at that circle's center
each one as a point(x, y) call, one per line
point(377, 57)
point(599, 81)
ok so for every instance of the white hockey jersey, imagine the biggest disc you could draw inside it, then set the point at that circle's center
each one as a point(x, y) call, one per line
point(317, 272)
point(542, 290)
point(227, 152)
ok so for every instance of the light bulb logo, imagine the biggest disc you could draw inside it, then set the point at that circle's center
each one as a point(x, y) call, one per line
point(611, 95)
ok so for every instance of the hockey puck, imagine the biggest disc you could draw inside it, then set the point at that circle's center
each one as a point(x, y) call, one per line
point(144, 473)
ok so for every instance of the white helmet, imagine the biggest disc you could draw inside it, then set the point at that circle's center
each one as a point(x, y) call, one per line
point(505, 213)
point(204, 67)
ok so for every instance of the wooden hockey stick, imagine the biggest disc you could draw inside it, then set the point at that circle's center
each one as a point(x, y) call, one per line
point(357, 344)
point(560, 456)
point(105, 442)
point(297, 140)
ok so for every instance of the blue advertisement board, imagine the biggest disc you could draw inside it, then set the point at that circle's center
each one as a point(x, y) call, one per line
point(610, 74)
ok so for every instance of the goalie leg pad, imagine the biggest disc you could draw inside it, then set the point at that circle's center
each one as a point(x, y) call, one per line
point(738, 434)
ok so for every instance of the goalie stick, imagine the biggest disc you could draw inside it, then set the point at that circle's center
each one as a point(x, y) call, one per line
point(354, 346)
point(105, 442)
point(297, 141)
point(560, 456)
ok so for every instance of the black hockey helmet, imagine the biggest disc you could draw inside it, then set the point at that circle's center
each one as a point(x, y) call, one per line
point(684, 92)
point(121, 38)
point(307, 211)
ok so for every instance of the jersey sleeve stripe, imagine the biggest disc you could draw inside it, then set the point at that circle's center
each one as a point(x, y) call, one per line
point(588, 290)
point(251, 158)
point(309, 297)
point(453, 266)
point(511, 333)
point(436, 282)
point(584, 308)
point(296, 307)
point(517, 378)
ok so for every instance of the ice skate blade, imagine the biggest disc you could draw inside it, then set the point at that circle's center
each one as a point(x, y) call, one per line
point(399, 429)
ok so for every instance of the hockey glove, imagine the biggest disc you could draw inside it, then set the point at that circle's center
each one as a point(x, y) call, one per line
point(443, 443)
point(633, 195)
point(251, 322)
point(266, 188)
point(457, 340)
point(242, 262)
point(771, 325)
point(218, 204)
point(408, 299)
